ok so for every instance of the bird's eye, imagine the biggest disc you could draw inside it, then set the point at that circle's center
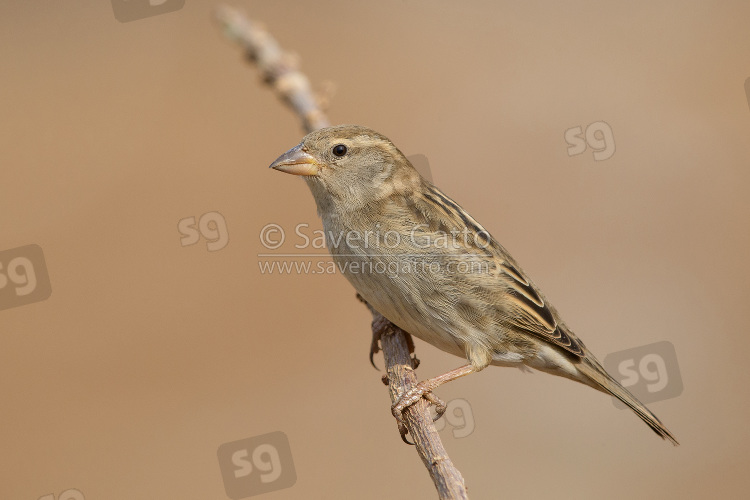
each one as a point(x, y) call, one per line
point(339, 150)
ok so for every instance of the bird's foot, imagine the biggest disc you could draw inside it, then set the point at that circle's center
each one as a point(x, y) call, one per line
point(381, 325)
point(419, 391)
point(377, 333)
point(424, 390)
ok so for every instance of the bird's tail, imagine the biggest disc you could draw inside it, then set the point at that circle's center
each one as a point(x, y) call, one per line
point(605, 383)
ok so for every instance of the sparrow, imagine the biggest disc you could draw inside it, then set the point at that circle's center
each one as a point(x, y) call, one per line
point(430, 268)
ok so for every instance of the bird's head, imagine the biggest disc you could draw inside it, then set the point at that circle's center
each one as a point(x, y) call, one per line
point(349, 166)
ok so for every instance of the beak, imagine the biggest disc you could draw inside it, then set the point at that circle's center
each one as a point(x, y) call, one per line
point(296, 161)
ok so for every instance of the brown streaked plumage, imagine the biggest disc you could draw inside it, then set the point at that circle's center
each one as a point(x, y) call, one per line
point(432, 269)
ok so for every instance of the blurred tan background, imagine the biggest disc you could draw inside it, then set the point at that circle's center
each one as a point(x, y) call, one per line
point(149, 355)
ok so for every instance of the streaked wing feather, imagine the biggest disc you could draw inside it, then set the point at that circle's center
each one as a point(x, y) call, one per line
point(532, 314)
point(527, 309)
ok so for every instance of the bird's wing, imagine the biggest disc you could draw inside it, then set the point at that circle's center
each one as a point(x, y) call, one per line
point(527, 309)
point(524, 306)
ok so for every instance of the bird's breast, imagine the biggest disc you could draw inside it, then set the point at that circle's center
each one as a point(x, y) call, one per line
point(402, 281)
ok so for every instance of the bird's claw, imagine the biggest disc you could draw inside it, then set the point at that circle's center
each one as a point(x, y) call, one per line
point(440, 405)
point(374, 348)
point(419, 391)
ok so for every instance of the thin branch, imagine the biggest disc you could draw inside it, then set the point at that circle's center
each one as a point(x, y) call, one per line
point(280, 71)
point(278, 67)
point(398, 364)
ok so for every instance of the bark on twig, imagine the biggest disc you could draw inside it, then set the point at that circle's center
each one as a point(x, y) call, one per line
point(280, 71)
point(278, 67)
point(398, 364)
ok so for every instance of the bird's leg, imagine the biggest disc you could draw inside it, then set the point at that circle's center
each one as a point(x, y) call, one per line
point(424, 389)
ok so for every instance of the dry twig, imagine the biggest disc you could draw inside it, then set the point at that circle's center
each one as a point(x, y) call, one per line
point(280, 71)
point(278, 68)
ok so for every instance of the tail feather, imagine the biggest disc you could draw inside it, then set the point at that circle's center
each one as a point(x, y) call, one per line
point(604, 382)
